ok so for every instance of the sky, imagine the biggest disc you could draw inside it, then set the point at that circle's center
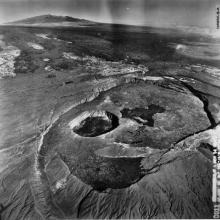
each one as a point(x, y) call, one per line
point(163, 13)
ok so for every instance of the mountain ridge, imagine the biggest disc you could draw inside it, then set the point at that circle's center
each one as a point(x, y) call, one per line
point(48, 18)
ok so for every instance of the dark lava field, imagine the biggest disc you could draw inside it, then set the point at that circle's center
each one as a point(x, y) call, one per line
point(103, 121)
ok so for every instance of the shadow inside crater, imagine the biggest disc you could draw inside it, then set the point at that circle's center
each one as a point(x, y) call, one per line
point(96, 125)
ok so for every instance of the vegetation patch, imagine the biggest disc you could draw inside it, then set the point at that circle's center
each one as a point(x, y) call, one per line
point(25, 63)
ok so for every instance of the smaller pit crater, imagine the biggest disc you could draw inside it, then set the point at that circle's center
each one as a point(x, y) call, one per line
point(143, 115)
point(113, 173)
point(97, 123)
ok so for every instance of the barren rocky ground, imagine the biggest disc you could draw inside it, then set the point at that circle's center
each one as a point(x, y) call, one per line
point(106, 121)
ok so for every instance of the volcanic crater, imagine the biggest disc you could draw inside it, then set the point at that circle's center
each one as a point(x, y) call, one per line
point(95, 140)
point(97, 123)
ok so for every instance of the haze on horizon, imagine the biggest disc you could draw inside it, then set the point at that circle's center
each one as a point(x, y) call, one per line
point(163, 13)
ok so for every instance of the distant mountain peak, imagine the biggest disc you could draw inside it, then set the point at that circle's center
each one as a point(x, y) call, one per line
point(48, 18)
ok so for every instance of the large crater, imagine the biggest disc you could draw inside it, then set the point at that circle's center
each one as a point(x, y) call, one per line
point(103, 143)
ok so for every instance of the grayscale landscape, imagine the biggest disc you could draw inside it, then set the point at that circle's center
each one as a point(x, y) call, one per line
point(106, 121)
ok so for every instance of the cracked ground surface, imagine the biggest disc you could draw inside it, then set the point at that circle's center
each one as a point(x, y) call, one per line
point(93, 128)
